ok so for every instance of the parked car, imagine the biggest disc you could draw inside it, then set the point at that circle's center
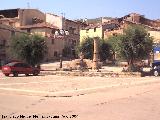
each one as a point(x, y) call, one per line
point(155, 68)
point(16, 68)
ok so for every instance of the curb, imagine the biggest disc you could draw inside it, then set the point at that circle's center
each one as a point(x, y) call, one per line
point(92, 74)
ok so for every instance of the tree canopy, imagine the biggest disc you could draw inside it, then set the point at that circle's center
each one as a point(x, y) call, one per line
point(29, 48)
point(87, 46)
point(134, 44)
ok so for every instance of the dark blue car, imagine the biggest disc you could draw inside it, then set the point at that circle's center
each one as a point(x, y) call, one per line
point(155, 68)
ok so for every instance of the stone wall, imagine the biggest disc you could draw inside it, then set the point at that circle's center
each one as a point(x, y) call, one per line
point(5, 39)
point(26, 16)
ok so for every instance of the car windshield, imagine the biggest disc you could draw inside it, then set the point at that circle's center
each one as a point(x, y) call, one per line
point(10, 64)
point(155, 64)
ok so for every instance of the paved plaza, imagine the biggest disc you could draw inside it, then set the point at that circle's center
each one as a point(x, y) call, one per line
point(79, 98)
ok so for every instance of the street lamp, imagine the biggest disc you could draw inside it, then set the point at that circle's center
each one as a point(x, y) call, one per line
point(62, 33)
point(60, 60)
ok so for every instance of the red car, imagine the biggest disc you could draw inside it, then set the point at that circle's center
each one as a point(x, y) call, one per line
point(16, 68)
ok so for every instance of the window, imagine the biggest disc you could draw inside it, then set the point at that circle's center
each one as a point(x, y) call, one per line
point(25, 65)
point(52, 41)
point(55, 54)
point(29, 30)
point(11, 24)
point(53, 31)
point(73, 42)
point(94, 29)
point(2, 42)
point(114, 34)
point(71, 30)
point(18, 65)
point(12, 33)
point(87, 30)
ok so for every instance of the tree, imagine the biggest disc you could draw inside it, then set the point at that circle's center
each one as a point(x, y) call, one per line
point(29, 48)
point(104, 50)
point(87, 46)
point(115, 45)
point(135, 44)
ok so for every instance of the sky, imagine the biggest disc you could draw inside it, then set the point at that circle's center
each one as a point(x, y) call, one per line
point(76, 9)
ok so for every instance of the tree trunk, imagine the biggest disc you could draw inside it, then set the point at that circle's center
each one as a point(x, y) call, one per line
point(131, 65)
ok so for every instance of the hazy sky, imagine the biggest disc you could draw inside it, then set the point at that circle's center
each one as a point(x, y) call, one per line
point(74, 9)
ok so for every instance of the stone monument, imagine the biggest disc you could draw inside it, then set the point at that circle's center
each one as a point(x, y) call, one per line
point(95, 54)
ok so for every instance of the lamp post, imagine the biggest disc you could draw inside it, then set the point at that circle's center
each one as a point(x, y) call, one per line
point(60, 60)
point(62, 33)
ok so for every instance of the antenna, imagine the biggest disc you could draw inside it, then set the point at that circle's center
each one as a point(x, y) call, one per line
point(63, 14)
point(28, 5)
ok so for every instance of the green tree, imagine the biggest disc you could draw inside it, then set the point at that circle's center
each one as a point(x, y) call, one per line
point(29, 48)
point(104, 50)
point(87, 46)
point(115, 46)
point(135, 44)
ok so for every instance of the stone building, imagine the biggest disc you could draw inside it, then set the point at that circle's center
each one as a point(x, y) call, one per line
point(73, 28)
point(97, 30)
point(20, 17)
point(55, 20)
point(6, 32)
point(11, 21)
point(152, 26)
point(59, 32)
point(103, 28)
point(68, 31)
point(46, 30)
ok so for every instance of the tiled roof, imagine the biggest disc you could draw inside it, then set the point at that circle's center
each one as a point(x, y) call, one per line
point(92, 26)
point(154, 28)
point(39, 25)
point(9, 28)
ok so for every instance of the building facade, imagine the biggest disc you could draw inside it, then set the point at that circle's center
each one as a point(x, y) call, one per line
point(68, 32)
point(59, 32)
point(21, 17)
point(6, 34)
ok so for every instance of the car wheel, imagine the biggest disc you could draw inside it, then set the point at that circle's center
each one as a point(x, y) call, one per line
point(35, 73)
point(6, 74)
point(15, 74)
point(27, 74)
point(142, 74)
point(156, 73)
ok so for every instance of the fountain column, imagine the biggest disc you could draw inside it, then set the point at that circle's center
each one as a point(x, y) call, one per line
point(95, 54)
